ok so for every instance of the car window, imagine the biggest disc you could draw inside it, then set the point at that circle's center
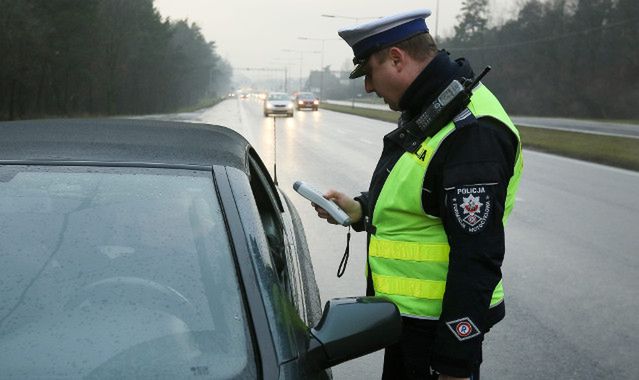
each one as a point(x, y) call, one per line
point(278, 97)
point(306, 95)
point(288, 250)
point(304, 287)
point(277, 304)
point(118, 273)
point(268, 208)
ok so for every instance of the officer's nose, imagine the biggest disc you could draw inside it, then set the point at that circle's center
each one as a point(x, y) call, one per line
point(368, 85)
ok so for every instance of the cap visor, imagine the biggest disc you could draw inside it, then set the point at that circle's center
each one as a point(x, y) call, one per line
point(358, 72)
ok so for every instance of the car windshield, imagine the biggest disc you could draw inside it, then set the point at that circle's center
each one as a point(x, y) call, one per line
point(278, 97)
point(117, 273)
point(306, 95)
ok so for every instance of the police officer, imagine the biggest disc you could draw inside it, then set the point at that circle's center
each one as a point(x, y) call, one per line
point(437, 203)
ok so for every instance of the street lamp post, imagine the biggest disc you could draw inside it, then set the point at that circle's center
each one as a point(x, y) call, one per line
point(350, 18)
point(356, 19)
point(436, 20)
point(264, 69)
point(321, 94)
point(301, 60)
point(285, 64)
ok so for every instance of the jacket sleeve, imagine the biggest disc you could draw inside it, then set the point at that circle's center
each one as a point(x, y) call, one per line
point(476, 168)
point(364, 202)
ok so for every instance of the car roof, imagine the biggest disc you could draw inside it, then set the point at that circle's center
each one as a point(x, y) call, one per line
point(114, 140)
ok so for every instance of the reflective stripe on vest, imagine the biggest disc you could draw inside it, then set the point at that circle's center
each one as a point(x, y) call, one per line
point(408, 255)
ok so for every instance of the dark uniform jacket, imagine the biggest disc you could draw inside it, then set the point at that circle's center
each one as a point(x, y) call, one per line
point(480, 153)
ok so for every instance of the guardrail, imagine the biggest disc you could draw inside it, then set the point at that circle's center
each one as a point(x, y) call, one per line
point(603, 148)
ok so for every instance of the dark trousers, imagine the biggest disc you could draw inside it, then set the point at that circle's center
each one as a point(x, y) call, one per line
point(409, 359)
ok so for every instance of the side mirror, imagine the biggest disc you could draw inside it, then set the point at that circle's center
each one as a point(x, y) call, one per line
point(353, 327)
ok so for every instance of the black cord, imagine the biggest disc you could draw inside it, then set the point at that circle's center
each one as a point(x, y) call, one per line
point(342, 264)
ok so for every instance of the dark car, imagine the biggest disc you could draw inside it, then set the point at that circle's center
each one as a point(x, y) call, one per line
point(146, 249)
point(306, 100)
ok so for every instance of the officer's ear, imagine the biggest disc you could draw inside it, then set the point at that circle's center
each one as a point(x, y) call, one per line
point(398, 57)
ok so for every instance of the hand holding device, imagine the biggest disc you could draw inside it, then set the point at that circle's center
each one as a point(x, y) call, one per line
point(316, 197)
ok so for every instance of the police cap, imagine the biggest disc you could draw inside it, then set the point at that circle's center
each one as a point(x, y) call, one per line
point(368, 38)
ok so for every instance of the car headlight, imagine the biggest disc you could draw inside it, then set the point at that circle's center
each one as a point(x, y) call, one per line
point(300, 102)
point(316, 102)
point(289, 106)
point(269, 105)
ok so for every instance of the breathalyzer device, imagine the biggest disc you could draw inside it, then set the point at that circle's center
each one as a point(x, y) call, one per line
point(316, 197)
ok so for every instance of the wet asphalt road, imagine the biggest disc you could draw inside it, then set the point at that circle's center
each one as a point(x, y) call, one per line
point(571, 271)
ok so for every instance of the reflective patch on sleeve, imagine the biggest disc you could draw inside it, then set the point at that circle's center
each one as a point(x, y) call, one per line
point(471, 205)
point(463, 329)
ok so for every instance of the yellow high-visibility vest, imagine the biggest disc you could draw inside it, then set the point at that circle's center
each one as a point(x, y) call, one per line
point(408, 254)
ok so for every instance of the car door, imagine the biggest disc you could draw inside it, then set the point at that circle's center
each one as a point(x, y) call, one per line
point(289, 253)
point(304, 349)
point(303, 284)
point(287, 244)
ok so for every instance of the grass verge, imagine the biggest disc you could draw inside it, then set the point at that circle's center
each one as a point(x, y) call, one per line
point(370, 113)
point(204, 103)
point(609, 150)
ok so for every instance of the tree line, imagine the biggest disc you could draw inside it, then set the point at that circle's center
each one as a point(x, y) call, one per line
point(570, 58)
point(102, 57)
point(563, 58)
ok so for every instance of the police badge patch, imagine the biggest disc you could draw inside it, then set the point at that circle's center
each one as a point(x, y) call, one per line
point(463, 328)
point(472, 206)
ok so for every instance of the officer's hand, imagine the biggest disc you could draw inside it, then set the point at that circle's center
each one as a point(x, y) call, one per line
point(350, 206)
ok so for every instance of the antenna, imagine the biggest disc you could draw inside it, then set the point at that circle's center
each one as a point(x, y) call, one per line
point(274, 150)
point(471, 85)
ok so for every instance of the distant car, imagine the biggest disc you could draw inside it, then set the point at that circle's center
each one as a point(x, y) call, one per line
point(306, 100)
point(147, 249)
point(278, 103)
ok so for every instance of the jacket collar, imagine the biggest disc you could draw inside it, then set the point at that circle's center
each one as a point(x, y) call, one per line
point(435, 77)
point(432, 80)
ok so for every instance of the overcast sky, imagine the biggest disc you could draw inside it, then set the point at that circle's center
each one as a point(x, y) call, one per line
point(254, 33)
